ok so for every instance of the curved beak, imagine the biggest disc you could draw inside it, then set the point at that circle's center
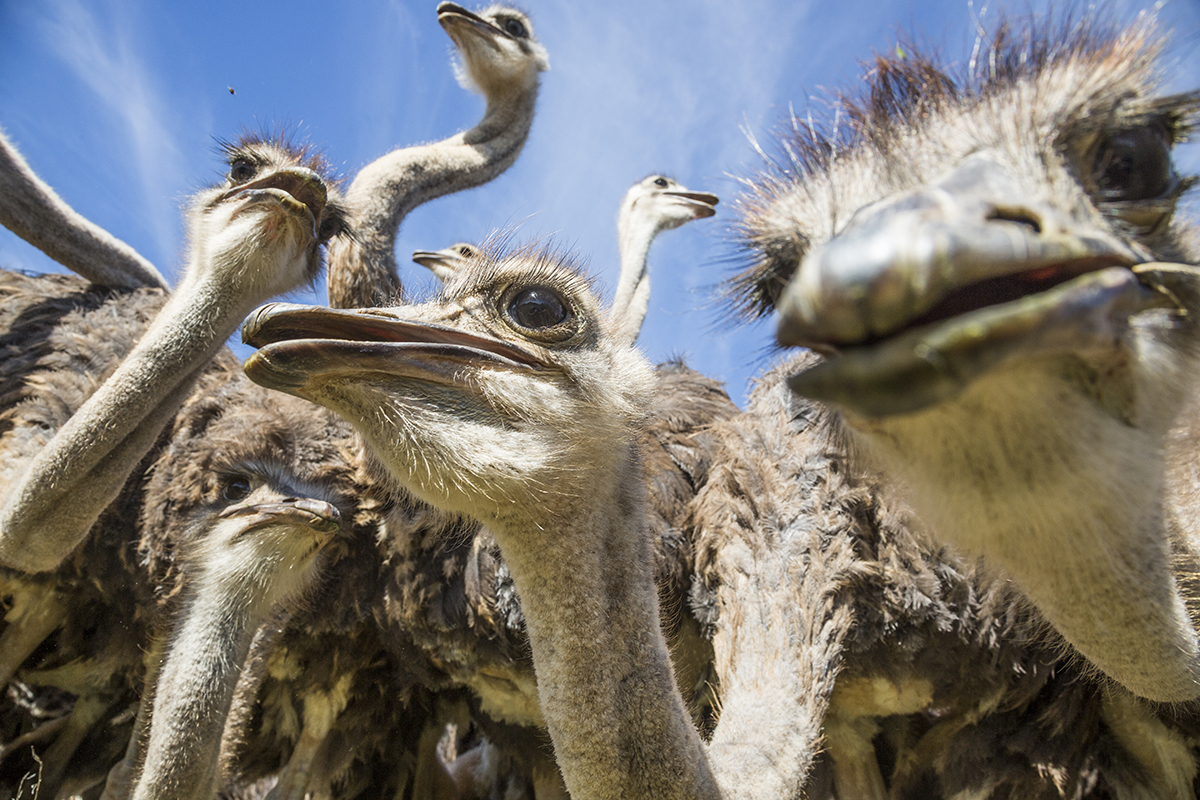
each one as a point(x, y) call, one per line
point(320, 516)
point(455, 19)
point(441, 263)
point(921, 293)
point(303, 345)
point(298, 189)
point(703, 204)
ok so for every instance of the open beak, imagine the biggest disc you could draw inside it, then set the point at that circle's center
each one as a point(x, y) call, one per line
point(300, 346)
point(454, 19)
point(703, 204)
point(922, 293)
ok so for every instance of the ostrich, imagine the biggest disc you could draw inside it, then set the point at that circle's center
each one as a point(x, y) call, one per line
point(258, 234)
point(512, 400)
point(997, 333)
point(444, 263)
point(31, 209)
point(238, 506)
point(501, 58)
point(651, 206)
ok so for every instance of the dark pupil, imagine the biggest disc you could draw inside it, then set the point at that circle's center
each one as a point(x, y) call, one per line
point(537, 308)
point(235, 488)
point(330, 227)
point(661, 182)
point(514, 28)
point(241, 171)
point(465, 252)
point(1134, 165)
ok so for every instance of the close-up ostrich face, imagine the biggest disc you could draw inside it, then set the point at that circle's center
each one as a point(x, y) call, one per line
point(963, 221)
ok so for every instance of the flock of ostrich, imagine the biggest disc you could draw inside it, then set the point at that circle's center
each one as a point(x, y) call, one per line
point(478, 547)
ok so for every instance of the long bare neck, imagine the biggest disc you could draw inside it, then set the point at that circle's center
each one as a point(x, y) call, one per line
point(195, 687)
point(363, 271)
point(635, 234)
point(33, 211)
point(605, 681)
point(1041, 470)
point(82, 469)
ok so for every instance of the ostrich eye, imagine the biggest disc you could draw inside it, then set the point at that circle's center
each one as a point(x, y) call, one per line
point(537, 307)
point(1134, 165)
point(660, 183)
point(331, 227)
point(235, 488)
point(514, 28)
point(241, 171)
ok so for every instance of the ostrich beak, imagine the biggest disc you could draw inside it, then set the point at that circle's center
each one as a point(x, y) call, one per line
point(454, 19)
point(320, 516)
point(922, 293)
point(299, 190)
point(702, 203)
point(441, 263)
point(300, 346)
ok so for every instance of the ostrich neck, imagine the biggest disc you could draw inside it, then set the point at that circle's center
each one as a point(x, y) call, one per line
point(363, 272)
point(605, 681)
point(195, 689)
point(32, 210)
point(634, 238)
point(82, 469)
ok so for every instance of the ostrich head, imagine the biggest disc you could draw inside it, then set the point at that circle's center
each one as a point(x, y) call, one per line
point(975, 261)
point(253, 486)
point(444, 263)
point(666, 203)
point(1027, 192)
point(266, 222)
point(497, 48)
point(504, 396)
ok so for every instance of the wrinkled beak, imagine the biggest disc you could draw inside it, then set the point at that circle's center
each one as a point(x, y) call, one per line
point(320, 516)
point(300, 345)
point(921, 293)
point(298, 189)
point(968, 241)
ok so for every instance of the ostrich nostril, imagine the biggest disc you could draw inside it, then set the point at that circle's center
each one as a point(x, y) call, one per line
point(1021, 216)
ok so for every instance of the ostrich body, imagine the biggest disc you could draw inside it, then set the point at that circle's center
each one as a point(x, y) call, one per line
point(946, 682)
point(501, 58)
point(32, 210)
point(564, 500)
point(651, 206)
point(998, 337)
point(258, 235)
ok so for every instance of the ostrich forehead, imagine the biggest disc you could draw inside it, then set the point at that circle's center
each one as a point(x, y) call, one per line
point(279, 150)
point(1030, 98)
point(249, 430)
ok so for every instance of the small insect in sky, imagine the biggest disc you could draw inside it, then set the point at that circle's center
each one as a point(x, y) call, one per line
point(230, 89)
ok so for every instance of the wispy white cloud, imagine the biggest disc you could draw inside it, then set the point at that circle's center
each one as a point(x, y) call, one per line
point(101, 48)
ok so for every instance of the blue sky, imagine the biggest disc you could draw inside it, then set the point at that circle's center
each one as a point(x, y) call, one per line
point(118, 104)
